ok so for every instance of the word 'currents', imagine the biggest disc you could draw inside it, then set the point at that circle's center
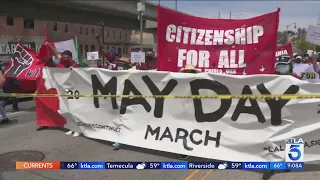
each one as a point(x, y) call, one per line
point(194, 36)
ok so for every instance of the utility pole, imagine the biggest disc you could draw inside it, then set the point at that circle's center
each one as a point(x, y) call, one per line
point(102, 34)
point(141, 8)
point(230, 14)
point(176, 6)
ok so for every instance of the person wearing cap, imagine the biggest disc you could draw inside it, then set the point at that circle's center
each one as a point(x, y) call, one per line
point(123, 64)
point(150, 63)
point(297, 59)
point(110, 54)
point(65, 58)
point(307, 59)
point(65, 61)
point(284, 66)
point(188, 68)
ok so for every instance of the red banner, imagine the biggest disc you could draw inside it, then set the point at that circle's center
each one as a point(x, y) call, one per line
point(217, 45)
point(284, 49)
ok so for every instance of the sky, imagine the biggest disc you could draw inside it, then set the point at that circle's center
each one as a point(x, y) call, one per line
point(303, 13)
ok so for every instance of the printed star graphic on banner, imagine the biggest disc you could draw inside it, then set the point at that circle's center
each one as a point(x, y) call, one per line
point(244, 72)
point(262, 69)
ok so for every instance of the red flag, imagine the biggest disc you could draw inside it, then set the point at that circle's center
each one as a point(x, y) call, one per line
point(25, 66)
point(284, 49)
point(44, 50)
point(47, 107)
point(245, 46)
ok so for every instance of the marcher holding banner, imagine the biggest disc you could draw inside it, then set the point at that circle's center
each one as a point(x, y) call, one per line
point(65, 58)
point(217, 45)
point(284, 66)
point(122, 64)
point(110, 54)
point(189, 68)
point(65, 61)
point(151, 62)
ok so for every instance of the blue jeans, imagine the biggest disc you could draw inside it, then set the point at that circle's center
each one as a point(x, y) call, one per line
point(14, 102)
point(2, 110)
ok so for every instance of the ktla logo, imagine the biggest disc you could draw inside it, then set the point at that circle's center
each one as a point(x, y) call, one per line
point(294, 150)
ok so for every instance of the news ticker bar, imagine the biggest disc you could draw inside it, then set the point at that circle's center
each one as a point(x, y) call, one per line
point(159, 165)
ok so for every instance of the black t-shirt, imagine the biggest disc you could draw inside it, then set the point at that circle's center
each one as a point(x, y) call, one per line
point(11, 85)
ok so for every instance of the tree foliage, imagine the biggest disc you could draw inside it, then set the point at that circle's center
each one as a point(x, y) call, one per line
point(301, 44)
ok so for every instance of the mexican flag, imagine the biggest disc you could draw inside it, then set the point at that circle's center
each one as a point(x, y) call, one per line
point(71, 45)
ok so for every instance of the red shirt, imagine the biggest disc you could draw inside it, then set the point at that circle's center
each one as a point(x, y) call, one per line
point(148, 66)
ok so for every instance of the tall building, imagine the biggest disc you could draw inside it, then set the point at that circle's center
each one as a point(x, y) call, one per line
point(31, 33)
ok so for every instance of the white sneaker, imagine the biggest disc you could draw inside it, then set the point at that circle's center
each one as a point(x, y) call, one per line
point(69, 133)
point(76, 134)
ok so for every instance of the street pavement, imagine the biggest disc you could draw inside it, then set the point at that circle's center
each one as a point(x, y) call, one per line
point(56, 146)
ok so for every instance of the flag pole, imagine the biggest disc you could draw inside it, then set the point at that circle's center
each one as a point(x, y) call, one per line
point(46, 33)
point(79, 55)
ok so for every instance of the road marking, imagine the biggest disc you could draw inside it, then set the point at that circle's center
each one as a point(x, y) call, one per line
point(191, 175)
point(207, 174)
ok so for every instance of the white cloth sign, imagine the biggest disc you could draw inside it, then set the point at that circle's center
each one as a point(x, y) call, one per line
point(313, 34)
point(306, 72)
point(138, 57)
point(92, 55)
point(230, 130)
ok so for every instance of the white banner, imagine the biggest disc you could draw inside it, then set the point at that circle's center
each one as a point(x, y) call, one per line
point(306, 72)
point(313, 34)
point(230, 130)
